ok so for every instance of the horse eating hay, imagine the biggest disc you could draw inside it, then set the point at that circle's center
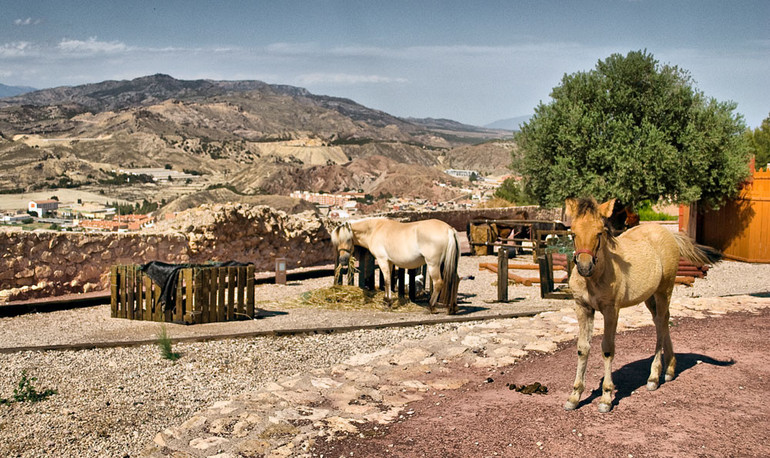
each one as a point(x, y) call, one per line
point(611, 273)
point(408, 246)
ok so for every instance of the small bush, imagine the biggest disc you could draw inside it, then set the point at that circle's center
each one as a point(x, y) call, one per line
point(647, 213)
point(26, 392)
point(164, 342)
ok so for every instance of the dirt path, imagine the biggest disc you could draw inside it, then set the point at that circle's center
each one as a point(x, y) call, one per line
point(716, 406)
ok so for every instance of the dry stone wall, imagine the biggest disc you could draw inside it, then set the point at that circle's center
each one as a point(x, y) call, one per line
point(46, 263)
point(459, 219)
point(38, 264)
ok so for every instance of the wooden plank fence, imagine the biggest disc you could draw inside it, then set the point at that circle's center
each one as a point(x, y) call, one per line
point(203, 295)
point(368, 269)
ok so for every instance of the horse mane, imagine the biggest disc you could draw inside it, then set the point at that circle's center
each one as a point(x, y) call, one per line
point(587, 206)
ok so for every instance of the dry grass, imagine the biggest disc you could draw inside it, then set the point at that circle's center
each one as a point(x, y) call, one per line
point(348, 297)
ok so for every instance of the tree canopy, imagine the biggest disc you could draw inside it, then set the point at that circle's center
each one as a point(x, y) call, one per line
point(634, 130)
point(759, 142)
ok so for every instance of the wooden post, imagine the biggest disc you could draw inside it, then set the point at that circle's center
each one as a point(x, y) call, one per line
point(123, 293)
point(546, 274)
point(502, 275)
point(187, 305)
point(412, 284)
point(114, 291)
point(137, 286)
point(242, 291)
point(148, 311)
point(221, 296)
point(250, 291)
point(213, 287)
point(231, 279)
point(201, 314)
point(280, 271)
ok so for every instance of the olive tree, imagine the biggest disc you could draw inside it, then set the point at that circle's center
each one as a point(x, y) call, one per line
point(635, 130)
point(759, 141)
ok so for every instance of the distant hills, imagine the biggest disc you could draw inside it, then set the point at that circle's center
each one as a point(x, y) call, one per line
point(509, 123)
point(10, 91)
point(258, 138)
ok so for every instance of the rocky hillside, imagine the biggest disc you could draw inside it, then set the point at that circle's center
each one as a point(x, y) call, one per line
point(256, 136)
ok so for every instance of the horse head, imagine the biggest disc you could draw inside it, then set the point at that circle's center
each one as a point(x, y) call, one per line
point(342, 239)
point(592, 232)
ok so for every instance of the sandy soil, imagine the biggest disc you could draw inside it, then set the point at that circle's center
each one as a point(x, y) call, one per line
point(714, 407)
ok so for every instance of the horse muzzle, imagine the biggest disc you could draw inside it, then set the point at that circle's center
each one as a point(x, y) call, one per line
point(344, 261)
point(585, 267)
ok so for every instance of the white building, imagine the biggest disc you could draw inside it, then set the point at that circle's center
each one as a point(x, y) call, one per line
point(41, 207)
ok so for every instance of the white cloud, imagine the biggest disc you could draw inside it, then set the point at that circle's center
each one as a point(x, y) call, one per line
point(92, 46)
point(27, 21)
point(346, 78)
point(15, 49)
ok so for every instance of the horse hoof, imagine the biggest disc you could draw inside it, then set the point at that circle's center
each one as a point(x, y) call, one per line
point(652, 386)
point(669, 377)
point(569, 405)
point(604, 408)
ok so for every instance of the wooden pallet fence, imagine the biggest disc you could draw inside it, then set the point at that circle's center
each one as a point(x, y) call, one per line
point(203, 295)
point(368, 270)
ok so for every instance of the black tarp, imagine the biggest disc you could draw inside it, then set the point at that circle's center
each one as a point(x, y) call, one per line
point(166, 276)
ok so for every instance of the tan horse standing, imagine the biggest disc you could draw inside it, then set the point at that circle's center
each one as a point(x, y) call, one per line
point(610, 273)
point(408, 246)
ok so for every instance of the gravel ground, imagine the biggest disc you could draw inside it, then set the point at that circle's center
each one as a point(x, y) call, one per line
point(112, 402)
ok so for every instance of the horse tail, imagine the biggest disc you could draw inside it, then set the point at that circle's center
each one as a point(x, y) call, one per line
point(699, 255)
point(449, 271)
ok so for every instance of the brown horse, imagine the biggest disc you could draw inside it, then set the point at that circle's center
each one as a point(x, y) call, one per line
point(407, 245)
point(611, 273)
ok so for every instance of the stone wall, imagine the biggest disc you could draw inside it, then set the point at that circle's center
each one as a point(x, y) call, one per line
point(44, 263)
point(459, 219)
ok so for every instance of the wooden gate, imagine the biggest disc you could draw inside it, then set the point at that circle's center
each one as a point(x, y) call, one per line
point(203, 295)
point(741, 228)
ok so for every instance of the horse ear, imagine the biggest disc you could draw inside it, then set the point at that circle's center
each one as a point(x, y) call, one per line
point(570, 205)
point(606, 208)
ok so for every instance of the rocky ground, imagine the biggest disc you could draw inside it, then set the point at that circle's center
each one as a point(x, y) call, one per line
point(280, 395)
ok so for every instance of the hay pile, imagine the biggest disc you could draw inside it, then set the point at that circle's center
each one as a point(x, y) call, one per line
point(348, 297)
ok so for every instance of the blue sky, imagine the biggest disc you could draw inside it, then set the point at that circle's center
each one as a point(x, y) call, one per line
point(474, 62)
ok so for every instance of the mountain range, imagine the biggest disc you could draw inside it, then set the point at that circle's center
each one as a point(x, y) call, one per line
point(252, 136)
point(10, 91)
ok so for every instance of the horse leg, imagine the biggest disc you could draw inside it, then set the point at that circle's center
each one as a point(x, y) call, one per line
point(386, 267)
point(438, 284)
point(608, 350)
point(658, 306)
point(585, 316)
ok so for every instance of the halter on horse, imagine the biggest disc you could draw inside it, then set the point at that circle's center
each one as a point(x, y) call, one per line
point(611, 273)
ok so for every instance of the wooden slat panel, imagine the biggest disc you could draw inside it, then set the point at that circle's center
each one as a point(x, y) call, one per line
point(130, 306)
point(138, 297)
point(178, 306)
point(250, 291)
point(123, 294)
point(213, 286)
point(231, 279)
point(189, 295)
point(202, 285)
point(114, 291)
point(221, 296)
point(147, 298)
point(241, 294)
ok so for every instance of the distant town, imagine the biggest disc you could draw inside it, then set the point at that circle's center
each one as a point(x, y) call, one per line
point(84, 216)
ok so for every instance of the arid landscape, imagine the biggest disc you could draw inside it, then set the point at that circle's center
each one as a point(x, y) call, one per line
point(253, 138)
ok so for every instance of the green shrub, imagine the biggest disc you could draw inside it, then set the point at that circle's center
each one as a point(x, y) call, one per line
point(164, 342)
